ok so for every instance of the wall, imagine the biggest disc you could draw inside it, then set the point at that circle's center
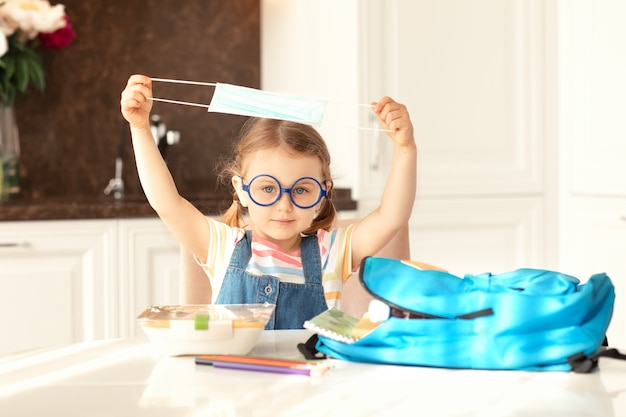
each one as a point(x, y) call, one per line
point(72, 132)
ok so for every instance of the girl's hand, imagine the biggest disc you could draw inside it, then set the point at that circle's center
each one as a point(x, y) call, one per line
point(395, 117)
point(135, 101)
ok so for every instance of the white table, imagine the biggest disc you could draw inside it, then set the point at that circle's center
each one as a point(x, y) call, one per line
point(127, 377)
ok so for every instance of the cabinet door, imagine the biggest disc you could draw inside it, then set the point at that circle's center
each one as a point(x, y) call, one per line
point(475, 78)
point(478, 235)
point(472, 75)
point(596, 88)
point(596, 242)
point(56, 283)
point(149, 268)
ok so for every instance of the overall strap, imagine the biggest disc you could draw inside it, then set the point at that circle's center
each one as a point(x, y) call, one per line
point(243, 251)
point(311, 260)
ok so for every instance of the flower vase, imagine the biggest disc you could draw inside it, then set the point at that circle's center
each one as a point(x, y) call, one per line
point(9, 153)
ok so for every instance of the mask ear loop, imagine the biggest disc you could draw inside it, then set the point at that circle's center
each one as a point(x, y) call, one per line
point(206, 106)
point(185, 103)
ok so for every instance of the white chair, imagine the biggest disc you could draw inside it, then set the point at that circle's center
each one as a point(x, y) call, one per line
point(354, 299)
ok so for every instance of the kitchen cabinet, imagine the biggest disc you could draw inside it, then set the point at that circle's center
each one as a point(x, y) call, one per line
point(58, 282)
point(64, 281)
point(595, 89)
point(148, 257)
point(598, 230)
point(476, 81)
point(594, 196)
point(476, 235)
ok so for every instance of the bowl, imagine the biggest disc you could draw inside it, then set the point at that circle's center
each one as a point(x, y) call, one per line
point(205, 329)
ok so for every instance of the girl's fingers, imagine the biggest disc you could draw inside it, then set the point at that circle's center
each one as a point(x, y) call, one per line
point(139, 79)
point(141, 89)
point(391, 116)
point(141, 84)
point(394, 117)
point(132, 100)
point(135, 95)
point(380, 104)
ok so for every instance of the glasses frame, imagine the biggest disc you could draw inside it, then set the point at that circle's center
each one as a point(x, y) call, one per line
point(246, 188)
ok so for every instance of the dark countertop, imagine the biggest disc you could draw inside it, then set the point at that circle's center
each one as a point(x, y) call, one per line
point(59, 208)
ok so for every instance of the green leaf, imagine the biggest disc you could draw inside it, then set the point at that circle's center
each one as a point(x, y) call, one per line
point(9, 68)
point(37, 76)
point(21, 75)
point(20, 67)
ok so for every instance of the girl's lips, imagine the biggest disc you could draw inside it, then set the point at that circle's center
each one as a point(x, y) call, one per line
point(283, 222)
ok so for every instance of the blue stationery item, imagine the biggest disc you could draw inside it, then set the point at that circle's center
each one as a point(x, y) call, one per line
point(527, 319)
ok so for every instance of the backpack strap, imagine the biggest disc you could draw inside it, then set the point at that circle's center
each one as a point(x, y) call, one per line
point(583, 364)
point(309, 349)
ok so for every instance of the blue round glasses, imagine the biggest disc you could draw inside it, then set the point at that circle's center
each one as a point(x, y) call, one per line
point(265, 190)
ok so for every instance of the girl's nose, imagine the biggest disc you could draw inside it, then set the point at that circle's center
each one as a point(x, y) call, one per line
point(284, 203)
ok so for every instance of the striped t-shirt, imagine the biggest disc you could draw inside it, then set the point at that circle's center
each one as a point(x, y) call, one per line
point(268, 259)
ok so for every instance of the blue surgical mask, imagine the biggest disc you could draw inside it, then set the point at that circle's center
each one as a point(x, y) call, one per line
point(245, 101)
point(234, 99)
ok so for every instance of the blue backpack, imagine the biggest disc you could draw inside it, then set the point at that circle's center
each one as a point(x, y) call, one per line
point(528, 319)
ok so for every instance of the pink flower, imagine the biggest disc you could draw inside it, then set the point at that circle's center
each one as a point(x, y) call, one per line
point(60, 38)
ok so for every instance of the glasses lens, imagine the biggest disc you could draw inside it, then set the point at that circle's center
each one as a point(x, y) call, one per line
point(264, 190)
point(306, 192)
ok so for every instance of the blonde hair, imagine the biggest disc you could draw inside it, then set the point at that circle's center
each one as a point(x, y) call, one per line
point(260, 133)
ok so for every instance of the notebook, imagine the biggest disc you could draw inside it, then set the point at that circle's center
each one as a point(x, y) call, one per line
point(334, 324)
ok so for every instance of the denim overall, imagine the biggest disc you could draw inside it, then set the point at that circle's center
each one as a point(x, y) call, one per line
point(295, 303)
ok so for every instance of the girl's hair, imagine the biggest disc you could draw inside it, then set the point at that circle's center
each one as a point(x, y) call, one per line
point(261, 133)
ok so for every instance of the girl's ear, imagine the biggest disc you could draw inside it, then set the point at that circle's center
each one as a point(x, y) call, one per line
point(329, 187)
point(244, 200)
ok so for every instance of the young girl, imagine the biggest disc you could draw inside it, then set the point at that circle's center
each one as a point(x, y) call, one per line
point(280, 173)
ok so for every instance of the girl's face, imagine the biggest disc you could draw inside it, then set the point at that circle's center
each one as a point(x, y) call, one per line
point(282, 222)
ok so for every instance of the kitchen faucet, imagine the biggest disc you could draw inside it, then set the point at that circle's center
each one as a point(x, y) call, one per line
point(163, 138)
point(116, 184)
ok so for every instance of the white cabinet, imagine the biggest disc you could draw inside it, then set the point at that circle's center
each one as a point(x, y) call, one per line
point(65, 281)
point(149, 269)
point(594, 235)
point(596, 96)
point(475, 78)
point(472, 76)
point(598, 244)
point(476, 235)
point(57, 282)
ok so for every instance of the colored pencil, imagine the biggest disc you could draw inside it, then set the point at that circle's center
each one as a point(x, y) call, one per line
point(264, 364)
point(256, 360)
point(267, 368)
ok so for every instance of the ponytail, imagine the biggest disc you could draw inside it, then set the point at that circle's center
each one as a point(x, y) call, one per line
point(233, 216)
point(325, 218)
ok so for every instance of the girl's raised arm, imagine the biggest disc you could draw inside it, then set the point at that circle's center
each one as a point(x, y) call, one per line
point(394, 211)
point(185, 221)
